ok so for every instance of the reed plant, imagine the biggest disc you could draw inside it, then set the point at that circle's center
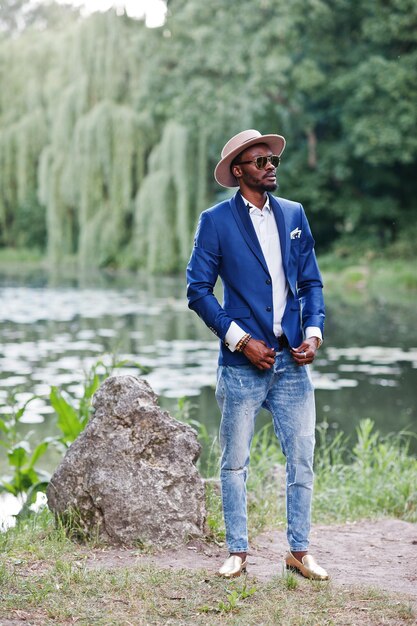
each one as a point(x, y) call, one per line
point(377, 477)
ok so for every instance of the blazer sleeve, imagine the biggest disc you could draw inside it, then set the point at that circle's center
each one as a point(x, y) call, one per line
point(202, 273)
point(309, 281)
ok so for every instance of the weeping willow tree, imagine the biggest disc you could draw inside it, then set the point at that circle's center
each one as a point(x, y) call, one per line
point(165, 203)
point(54, 168)
point(71, 137)
point(90, 172)
point(108, 150)
point(23, 129)
point(83, 136)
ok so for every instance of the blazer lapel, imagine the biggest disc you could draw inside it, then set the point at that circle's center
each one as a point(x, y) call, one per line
point(282, 230)
point(244, 222)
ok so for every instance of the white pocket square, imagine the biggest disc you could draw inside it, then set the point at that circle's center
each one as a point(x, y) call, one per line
point(296, 233)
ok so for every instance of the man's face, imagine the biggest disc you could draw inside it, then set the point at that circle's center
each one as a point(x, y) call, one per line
point(252, 177)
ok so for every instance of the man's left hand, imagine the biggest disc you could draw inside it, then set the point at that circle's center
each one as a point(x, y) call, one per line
point(306, 352)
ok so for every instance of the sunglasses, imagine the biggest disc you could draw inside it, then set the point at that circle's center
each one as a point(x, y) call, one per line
point(261, 161)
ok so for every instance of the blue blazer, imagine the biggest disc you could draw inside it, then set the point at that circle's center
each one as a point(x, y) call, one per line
point(226, 245)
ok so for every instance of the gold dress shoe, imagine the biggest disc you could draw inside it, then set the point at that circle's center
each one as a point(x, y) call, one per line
point(232, 567)
point(307, 566)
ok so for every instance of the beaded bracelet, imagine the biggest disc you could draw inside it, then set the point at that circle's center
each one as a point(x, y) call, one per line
point(238, 346)
point(243, 342)
point(240, 343)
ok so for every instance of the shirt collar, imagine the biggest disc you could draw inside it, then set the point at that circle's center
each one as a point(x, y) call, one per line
point(253, 209)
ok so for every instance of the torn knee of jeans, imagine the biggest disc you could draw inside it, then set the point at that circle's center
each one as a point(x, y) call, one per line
point(236, 470)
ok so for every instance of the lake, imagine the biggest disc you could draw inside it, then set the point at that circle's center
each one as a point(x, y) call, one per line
point(52, 333)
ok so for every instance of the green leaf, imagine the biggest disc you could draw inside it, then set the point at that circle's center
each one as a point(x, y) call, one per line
point(28, 477)
point(32, 492)
point(19, 454)
point(68, 421)
point(38, 452)
point(92, 387)
point(20, 412)
point(7, 487)
point(4, 426)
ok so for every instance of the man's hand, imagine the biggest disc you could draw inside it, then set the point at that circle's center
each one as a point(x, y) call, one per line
point(259, 354)
point(306, 352)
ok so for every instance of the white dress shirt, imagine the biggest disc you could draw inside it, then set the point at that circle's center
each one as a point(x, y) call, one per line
point(265, 226)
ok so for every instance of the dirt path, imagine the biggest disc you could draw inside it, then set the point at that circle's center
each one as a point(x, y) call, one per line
point(381, 554)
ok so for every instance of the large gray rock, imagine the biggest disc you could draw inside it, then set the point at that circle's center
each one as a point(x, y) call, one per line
point(130, 477)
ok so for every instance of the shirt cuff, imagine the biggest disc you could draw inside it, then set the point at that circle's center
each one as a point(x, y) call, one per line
point(233, 336)
point(314, 331)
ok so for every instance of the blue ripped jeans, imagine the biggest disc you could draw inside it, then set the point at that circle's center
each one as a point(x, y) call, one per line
point(287, 392)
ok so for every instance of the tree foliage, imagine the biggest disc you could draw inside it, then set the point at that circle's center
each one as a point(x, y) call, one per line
point(109, 132)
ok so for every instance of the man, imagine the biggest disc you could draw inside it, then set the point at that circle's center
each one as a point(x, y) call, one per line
point(270, 326)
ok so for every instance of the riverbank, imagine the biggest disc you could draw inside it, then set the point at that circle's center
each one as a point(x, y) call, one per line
point(46, 579)
point(348, 275)
point(378, 278)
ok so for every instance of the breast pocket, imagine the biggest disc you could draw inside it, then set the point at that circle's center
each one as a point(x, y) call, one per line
point(295, 245)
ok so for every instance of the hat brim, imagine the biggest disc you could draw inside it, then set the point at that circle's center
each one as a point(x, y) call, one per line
point(222, 172)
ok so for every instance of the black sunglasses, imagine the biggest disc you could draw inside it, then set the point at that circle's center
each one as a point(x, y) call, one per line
point(261, 161)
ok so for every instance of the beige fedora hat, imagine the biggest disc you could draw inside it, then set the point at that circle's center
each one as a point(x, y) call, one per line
point(238, 144)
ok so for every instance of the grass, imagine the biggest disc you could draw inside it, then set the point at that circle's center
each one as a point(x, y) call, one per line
point(377, 478)
point(22, 256)
point(367, 277)
point(45, 580)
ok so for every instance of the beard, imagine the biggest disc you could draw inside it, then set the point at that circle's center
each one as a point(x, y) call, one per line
point(269, 186)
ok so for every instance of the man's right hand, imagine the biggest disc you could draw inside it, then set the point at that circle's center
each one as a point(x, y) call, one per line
point(259, 354)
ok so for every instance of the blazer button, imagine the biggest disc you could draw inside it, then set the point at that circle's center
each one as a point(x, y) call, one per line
point(269, 308)
point(268, 281)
